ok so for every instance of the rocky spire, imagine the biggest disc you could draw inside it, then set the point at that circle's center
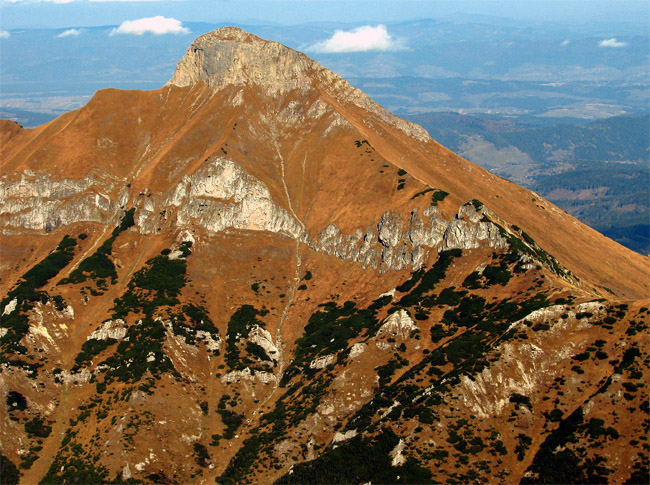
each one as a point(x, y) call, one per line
point(232, 56)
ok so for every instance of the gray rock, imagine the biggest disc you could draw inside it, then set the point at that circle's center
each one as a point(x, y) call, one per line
point(115, 329)
point(126, 472)
point(232, 57)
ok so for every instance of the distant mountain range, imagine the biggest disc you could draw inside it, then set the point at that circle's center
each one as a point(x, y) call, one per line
point(486, 49)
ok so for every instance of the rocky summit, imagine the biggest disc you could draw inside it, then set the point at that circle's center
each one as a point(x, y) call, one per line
point(255, 274)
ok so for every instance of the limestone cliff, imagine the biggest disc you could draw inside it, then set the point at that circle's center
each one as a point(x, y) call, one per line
point(231, 56)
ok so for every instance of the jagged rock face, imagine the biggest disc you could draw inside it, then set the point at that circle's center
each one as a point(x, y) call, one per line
point(488, 393)
point(396, 244)
point(38, 202)
point(263, 338)
point(322, 362)
point(265, 265)
point(114, 329)
point(398, 324)
point(469, 231)
point(221, 195)
point(231, 56)
point(10, 307)
point(217, 196)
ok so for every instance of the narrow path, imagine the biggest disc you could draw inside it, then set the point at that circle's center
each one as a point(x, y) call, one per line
point(91, 248)
point(278, 332)
point(279, 341)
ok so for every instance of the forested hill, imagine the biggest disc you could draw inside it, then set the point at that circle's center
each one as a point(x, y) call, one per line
point(620, 138)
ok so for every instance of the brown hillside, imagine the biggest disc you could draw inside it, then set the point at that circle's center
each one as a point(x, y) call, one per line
point(256, 273)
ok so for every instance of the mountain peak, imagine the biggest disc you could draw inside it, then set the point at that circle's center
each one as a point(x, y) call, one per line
point(232, 56)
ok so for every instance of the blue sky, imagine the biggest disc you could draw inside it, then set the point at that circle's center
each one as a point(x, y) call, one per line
point(72, 13)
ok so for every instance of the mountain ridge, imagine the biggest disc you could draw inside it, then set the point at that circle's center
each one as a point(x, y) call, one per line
point(220, 249)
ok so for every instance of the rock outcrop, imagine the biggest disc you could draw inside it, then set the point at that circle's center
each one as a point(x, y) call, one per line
point(469, 230)
point(232, 57)
point(398, 324)
point(114, 329)
point(262, 337)
point(39, 202)
point(220, 195)
point(322, 361)
point(395, 244)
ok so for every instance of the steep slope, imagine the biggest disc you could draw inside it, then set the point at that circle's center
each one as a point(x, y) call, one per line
point(256, 263)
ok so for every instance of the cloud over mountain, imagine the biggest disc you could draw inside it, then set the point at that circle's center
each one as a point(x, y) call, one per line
point(361, 39)
point(612, 43)
point(70, 33)
point(157, 25)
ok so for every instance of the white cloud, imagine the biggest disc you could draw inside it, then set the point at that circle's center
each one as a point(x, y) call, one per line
point(612, 43)
point(4, 34)
point(565, 42)
point(156, 25)
point(70, 33)
point(361, 39)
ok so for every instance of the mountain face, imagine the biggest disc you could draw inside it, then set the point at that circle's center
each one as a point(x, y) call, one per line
point(256, 274)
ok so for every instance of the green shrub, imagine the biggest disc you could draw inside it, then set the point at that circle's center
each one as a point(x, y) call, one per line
point(473, 281)
point(386, 372)
point(522, 447)
point(328, 331)
point(520, 399)
point(438, 196)
point(162, 275)
point(90, 348)
point(37, 427)
point(16, 401)
point(497, 275)
point(582, 356)
point(425, 191)
point(231, 420)
point(201, 455)
point(359, 460)
point(75, 469)
point(239, 326)
point(428, 279)
point(411, 282)
point(9, 473)
point(99, 266)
